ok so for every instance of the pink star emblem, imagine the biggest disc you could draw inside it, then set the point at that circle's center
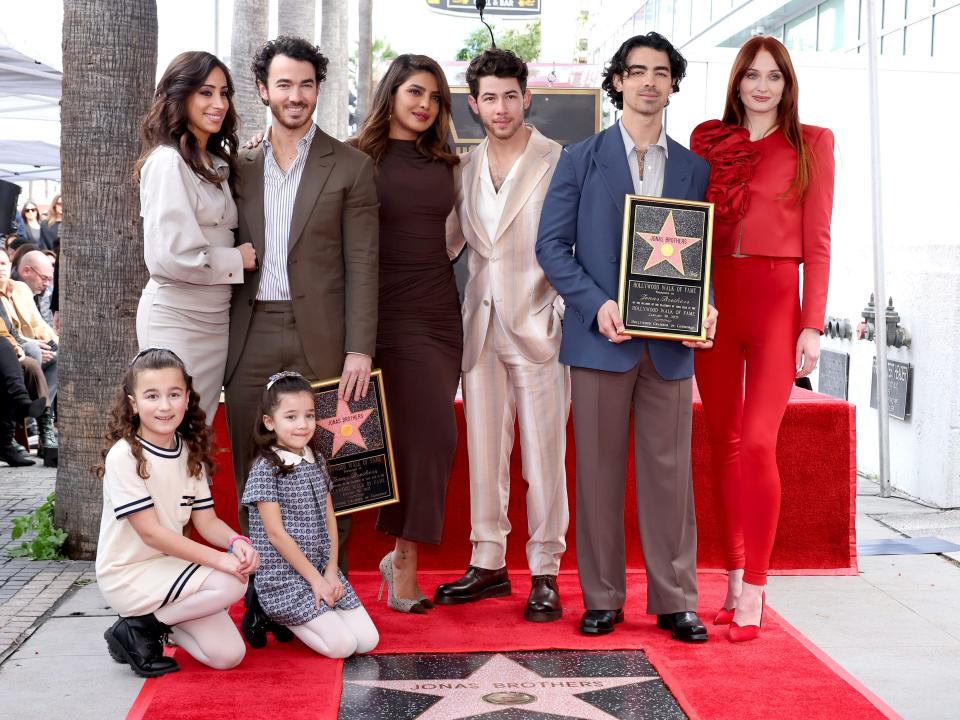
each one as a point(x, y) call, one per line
point(667, 245)
point(345, 426)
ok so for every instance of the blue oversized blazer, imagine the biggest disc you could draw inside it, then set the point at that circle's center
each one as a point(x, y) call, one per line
point(578, 246)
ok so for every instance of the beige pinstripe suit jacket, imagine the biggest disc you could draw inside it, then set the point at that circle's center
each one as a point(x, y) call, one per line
point(504, 269)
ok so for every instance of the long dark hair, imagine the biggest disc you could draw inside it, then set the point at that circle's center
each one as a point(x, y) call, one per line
point(123, 424)
point(166, 123)
point(374, 134)
point(788, 115)
point(264, 439)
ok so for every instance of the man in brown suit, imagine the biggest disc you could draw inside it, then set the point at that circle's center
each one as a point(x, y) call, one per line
point(309, 205)
point(511, 333)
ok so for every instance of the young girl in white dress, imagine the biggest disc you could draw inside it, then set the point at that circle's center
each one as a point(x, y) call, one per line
point(155, 474)
point(291, 514)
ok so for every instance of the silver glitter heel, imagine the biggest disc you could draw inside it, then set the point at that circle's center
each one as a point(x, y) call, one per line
point(399, 604)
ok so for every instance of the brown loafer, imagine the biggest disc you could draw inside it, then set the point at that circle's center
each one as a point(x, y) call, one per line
point(543, 605)
point(476, 584)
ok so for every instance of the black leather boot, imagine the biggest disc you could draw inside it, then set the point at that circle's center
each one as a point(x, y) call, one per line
point(256, 623)
point(47, 438)
point(11, 452)
point(138, 642)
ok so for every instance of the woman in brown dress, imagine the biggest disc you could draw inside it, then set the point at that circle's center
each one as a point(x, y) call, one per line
point(420, 336)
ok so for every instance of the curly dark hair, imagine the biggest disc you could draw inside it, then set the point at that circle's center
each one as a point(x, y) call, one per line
point(264, 439)
point(123, 424)
point(618, 63)
point(498, 63)
point(166, 122)
point(293, 47)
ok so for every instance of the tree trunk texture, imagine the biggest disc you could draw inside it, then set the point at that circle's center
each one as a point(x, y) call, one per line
point(250, 29)
point(332, 104)
point(297, 17)
point(109, 75)
point(364, 60)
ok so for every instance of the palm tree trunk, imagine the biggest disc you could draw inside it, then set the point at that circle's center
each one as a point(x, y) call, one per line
point(249, 32)
point(364, 59)
point(109, 74)
point(297, 17)
point(332, 105)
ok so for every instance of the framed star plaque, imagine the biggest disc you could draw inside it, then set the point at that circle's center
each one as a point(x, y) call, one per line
point(354, 438)
point(665, 267)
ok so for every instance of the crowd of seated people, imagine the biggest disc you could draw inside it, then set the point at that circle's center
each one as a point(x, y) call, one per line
point(29, 340)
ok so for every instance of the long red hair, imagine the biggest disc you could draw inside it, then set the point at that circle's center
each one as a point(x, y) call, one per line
point(788, 116)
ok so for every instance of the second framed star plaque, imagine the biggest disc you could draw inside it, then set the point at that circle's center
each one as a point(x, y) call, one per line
point(665, 267)
point(354, 438)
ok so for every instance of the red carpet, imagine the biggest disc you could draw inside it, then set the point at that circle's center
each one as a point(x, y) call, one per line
point(780, 675)
point(817, 458)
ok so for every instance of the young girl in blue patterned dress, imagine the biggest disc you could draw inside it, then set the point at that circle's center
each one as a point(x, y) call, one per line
point(288, 493)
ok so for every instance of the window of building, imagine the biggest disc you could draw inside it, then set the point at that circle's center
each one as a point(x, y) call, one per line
point(918, 41)
point(830, 25)
point(801, 32)
point(892, 43)
point(946, 33)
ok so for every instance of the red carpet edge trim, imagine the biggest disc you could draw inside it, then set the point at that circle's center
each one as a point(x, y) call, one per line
point(673, 684)
point(838, 669)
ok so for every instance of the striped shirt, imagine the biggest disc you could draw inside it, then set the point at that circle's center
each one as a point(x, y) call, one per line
point(279, 194)
point(650, 183)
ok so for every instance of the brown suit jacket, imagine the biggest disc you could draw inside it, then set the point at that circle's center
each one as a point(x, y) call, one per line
point(527, 304)
point(332, 255)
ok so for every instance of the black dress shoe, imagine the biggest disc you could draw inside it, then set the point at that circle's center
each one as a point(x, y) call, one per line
point(543, 605)
point(684, 626)
point(600, 622)
point(138, 642)
point(476, 584)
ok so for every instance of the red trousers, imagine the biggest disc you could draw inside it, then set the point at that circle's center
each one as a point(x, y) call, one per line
point(745, 382)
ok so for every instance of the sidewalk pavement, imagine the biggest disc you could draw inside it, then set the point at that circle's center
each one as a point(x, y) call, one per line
point(895, 627)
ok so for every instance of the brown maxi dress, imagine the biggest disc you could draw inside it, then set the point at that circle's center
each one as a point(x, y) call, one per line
point(419, 337)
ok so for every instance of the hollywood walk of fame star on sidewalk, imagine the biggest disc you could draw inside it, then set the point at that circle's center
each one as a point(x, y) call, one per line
point(463, 697)
point(345, 426)
point(667, 245)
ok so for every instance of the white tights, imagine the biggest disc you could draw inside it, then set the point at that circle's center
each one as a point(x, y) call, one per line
point(202, 627)
point(339, 634)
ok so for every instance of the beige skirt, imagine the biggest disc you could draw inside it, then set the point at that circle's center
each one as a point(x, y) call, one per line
point(199, 338)
point(143, 588)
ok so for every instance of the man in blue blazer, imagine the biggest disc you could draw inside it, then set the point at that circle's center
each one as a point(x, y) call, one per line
point(578, 246)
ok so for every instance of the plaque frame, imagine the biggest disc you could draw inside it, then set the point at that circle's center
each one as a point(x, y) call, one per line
point(375, 386)
point(631, 203)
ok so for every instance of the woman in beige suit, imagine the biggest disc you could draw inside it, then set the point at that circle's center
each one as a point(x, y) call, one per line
point(186, 172)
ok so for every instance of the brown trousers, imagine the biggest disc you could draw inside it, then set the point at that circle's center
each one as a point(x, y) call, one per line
point(273, 344)
point(662, 417)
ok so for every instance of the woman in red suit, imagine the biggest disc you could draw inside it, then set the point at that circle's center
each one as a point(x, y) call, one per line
point(772, 184)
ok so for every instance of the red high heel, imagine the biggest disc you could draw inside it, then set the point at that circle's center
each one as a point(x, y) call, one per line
point(747, 632)
point(724, 616)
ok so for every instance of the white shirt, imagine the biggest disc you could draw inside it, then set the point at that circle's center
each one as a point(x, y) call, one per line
point(490, 203)
point(655, 164)
point(279, 193)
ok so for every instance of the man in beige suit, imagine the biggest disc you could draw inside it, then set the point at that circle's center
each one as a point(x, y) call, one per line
point(308, 204)
point(511, 320)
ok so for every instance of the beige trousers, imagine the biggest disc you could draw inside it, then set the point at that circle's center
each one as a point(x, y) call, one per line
point(503, 387)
